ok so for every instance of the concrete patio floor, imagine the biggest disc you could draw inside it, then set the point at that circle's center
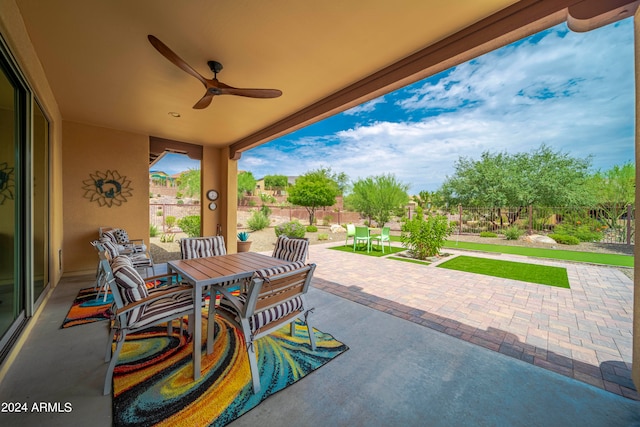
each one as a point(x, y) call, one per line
point(397, 371)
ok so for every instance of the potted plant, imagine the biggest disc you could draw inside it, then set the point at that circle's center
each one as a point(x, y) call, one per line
point(243, 242)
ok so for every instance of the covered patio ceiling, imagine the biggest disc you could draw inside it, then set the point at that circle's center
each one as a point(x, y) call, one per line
point(325, 56)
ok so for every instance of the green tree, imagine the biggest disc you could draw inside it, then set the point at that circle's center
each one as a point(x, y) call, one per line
point(425, 237)
point(189, 183)
point(246, 184)
point(614, 189)
point(429, 200)
point(313, 190)
point(378, 197)
point(541, 177)
point(276, 182)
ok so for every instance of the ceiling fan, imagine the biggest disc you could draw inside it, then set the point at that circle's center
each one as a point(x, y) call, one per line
point(213, 86)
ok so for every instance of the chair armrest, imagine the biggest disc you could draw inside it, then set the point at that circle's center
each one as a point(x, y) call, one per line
point(155, 296)
point(134, 241)
point(232, 299)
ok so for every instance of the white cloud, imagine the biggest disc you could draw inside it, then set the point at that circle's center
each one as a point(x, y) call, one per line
point(573, 92)
point(367, 107)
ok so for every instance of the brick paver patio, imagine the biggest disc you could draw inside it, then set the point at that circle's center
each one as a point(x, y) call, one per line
point(584, 332)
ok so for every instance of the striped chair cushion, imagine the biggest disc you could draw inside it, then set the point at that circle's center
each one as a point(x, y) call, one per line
point(120, 261)
point(291, 249)
point(265, 317)
point(110, 247)
point(162, 307)
point(200, 247)
point(265, 273)
point(140, 260)
point(130, 284)
point(110, 236)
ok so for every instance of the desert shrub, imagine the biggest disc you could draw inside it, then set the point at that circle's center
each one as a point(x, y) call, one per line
point(257, 221)
point(327, 220)
point(190, 225)
point(180, 202)
point(323, 236)
point(170, 221)
point(153, 230)
point(167, 237)
point(291, 229)
point(488, 234)
point(564, 239)
point(265, 210)
point(512, 233)
point(312, 228)
point(425, 237)
point(589, 232)
point(159, 212)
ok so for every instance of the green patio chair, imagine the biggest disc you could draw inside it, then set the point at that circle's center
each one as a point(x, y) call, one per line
point(351, 232)
point(383, 237)
point(362, 234)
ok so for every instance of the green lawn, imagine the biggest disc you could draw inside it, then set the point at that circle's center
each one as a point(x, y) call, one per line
point(559, 254)
point(375, 251)
point(532, 273)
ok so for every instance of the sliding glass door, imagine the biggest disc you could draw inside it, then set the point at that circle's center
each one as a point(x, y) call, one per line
point(12, 302)
point(24, 201)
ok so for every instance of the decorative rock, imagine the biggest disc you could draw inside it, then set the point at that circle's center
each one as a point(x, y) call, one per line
point(336, 228)
point(538, 238)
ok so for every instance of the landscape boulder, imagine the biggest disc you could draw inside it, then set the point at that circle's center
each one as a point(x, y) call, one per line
point(538, 238)
point(337, 228)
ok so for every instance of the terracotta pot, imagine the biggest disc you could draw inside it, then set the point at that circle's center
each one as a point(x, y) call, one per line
point(244, 246)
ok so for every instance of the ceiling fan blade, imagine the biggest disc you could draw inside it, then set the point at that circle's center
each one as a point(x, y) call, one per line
point(175, 59)
point(204, 101)
point(251, 93)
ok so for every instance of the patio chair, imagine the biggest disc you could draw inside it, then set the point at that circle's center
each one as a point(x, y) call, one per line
point(103, 271)
point(362, 234)
point(136, 308)
point(200, 247)
point(120, 238)
point(292, 250)
point(351, 232)
point(384, 236)
point(275, 297)
point(134, 248)
point(140, 260)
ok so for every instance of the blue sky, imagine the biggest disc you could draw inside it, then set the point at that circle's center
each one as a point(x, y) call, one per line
point(571, 91)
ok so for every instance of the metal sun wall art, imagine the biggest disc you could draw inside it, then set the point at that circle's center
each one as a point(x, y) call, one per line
point(107, 188)
point(7, 183)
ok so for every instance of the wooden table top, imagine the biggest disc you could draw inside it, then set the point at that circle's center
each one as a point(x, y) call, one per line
point(221, 268)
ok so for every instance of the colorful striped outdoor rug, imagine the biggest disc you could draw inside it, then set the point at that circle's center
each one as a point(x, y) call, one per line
point(86, 308)
point(153, 381)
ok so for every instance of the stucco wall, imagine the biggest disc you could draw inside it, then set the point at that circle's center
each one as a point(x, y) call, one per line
point(16, 36)
point(87, 150)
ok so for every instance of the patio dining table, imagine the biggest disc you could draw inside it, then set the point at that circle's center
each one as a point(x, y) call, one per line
point(216, 271)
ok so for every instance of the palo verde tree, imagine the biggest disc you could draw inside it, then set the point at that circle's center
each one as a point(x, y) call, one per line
point(276, 182)
point(313, 190)
point(541, 177)
point(246, 183)
point(614, 190)
point(378, 197)
point(189, 183)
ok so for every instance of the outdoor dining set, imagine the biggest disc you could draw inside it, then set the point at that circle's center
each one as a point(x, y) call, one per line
point(256, 293)
point(362, 234)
